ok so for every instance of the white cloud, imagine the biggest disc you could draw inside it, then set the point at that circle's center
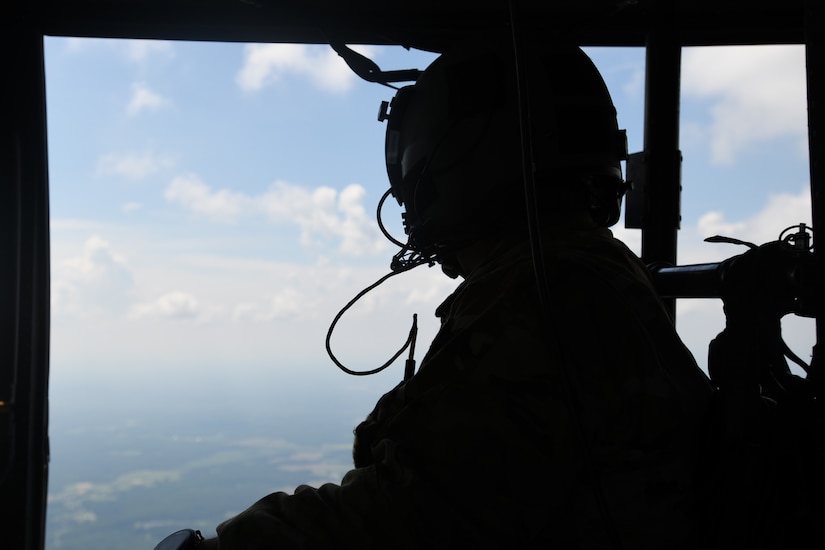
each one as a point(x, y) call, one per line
point(144, 99)
point(220, 309)
point(74, 498)
point(714, 223)
point(191, 193)
point(75, 45)
point(137, 51)
point(757, 94)
point(286, 303)
point(140, 50)
point(172, 305)
point(781, 211)
point(95, 282)
point(266, 64)
point(62, 224)
point(635, 86)
point(325, 213)
point(134, 166)
point(354, 237)
point(322, 214)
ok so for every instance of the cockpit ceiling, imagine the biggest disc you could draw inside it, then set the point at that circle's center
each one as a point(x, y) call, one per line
point(426, 24)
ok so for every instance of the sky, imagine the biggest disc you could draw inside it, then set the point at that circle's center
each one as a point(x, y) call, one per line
point(213, 205)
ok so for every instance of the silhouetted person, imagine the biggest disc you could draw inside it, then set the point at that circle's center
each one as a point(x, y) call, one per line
point(558, 411)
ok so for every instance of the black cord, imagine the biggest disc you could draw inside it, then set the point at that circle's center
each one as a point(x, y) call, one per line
point(410, 339)
point(383, 229)
point(409, 365)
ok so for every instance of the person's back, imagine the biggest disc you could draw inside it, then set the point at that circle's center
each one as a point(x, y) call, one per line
point(518, 425)
point(641, 399)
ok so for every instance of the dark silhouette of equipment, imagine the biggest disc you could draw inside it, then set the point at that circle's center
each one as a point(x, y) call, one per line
point(765, 452)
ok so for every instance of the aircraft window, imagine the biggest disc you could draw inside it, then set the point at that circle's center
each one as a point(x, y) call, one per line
point(213, 208)
point(745, 172)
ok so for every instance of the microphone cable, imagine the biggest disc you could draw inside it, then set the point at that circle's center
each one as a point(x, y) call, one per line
point(403, 261)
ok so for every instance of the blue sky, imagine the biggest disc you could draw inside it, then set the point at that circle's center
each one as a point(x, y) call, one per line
point(214, 204)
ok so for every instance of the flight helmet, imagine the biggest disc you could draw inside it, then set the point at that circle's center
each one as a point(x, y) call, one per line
point(454, 144)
